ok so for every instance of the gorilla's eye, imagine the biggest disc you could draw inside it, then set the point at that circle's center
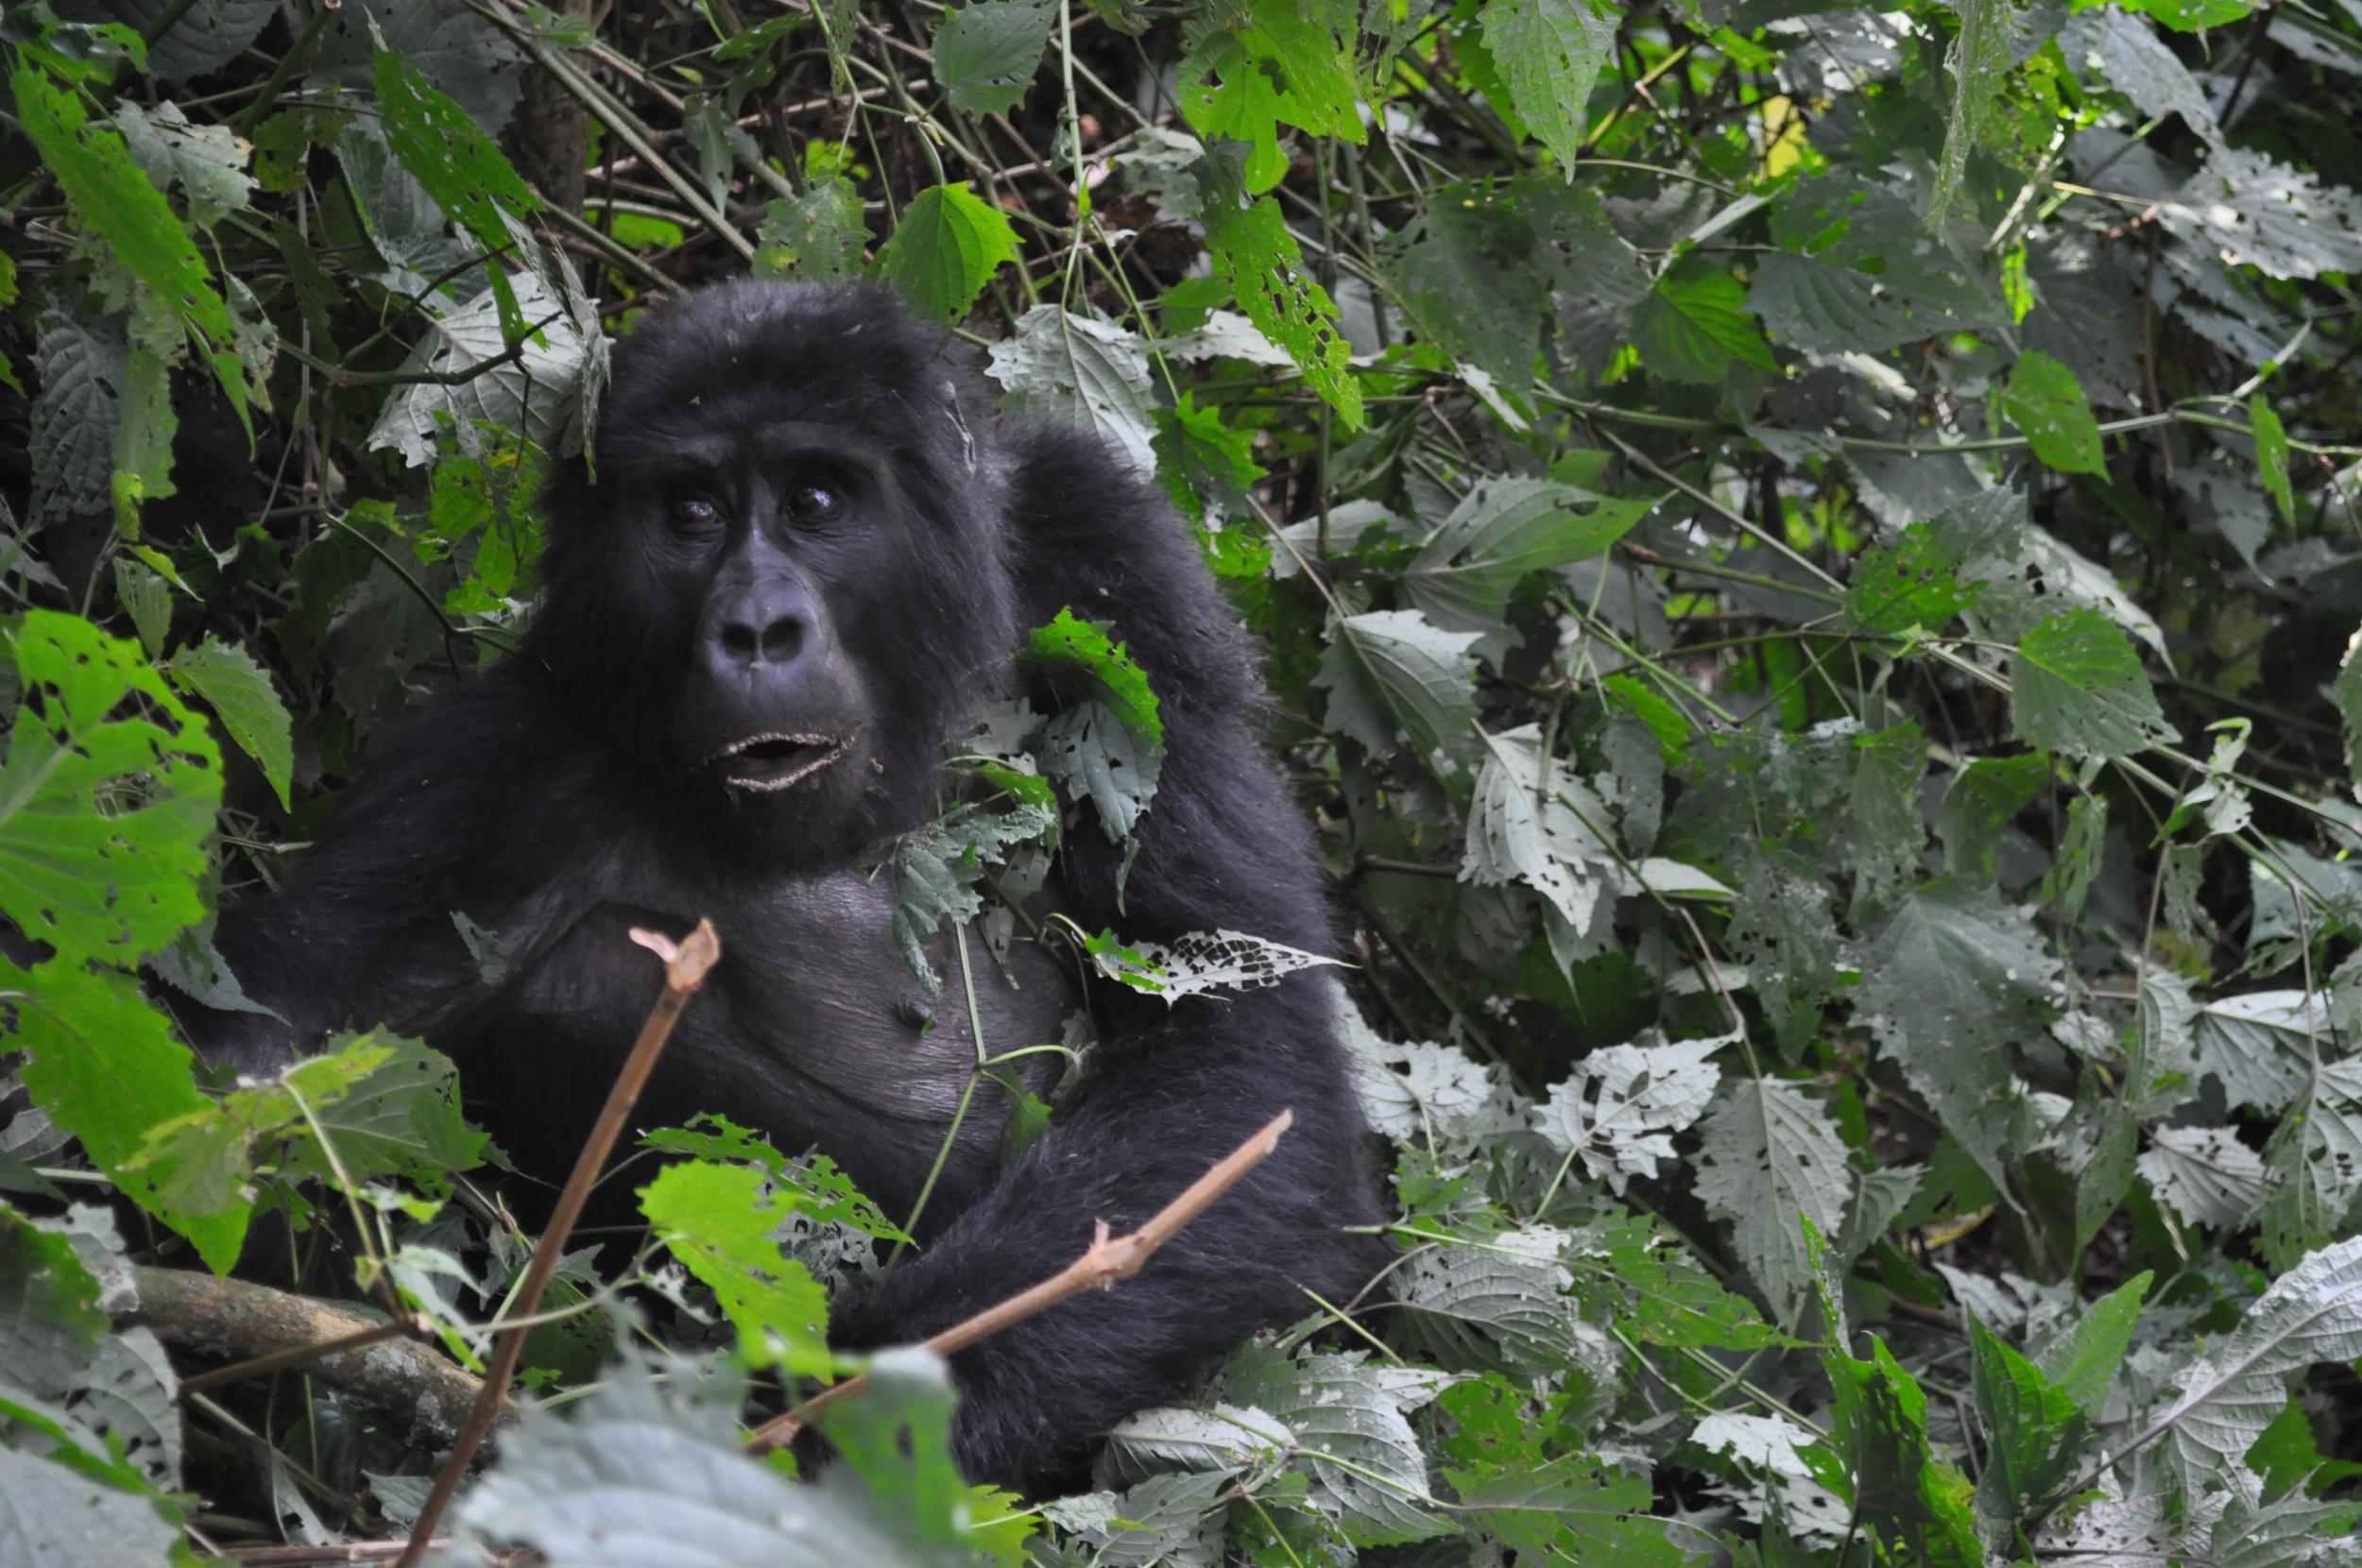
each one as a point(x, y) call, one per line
point(814, 500)
point(695, 512)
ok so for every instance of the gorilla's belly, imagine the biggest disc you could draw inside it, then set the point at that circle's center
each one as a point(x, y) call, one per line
point(813, 1030)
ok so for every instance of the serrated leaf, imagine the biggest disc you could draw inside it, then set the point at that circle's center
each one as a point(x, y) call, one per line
point(1977, 57)
point(2083, 1360)
point(461, 169)
point(1390, 671)
point(72, 438)
point(1621, 1107)
point(50, 1514)
point(1770, 1159)
point(936, 869)
point(2314, 1165)
point(1198, 962)
point(128, 215)
point(819, 234)
point(2204, 1174)
point(986, 53)
point(2037, 1432)
point(2045, 401)
point(1257, 68)
point(1367, 1467)
point(719, 1221)
point(2136, 62)
point(1084, 370)
point(207, 161)
point(1503, 530)
point(1950, 980)
point(1508, 1288)
point(1251, 246)
point(106, 799)
point(1530, 821)
point(1694, 325)
point(536, 392)
point(2077, 688)
point(235, 685)
point(1108, 747)
point(105, 1067)
point(2214, 1410)
point(1170, 1438)
point(579, 1490)
point(1550, 52)
point(946, 247)
point(2253, 211)
point(202, 39)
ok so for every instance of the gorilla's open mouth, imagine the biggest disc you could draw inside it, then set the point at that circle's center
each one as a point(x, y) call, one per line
point(765, 763)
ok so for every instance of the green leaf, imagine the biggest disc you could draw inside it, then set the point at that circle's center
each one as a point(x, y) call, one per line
point(2214, 1410)
point(897, 1438)
point(127, 215)
point(1197, 963)
point(1350, 1417)
point(1207, 469)
point(1908, 1502)
point(104, 1065)
point(103, 818)
point(467, 175)
point(2083, 1360)
point(1950, 980)
point(1278, 62)
point(986, 53)
point(1106, 746)
point(2046, 401)
point(207, 161)
point(1550, 52)
point(1251, 246)
point(1504, 531)
point(2193, 16)
point(49, 1514)
point(1079, 369)
point(1772, 1157)
point(936, 869)
point(2037, 1434)
point(1693, 326)
point(946, 247)
point(1977, 57)
point(142, 454)
point(720, 1221)
point(228, 679)
point(2271, 455)
point(1530, 821)
point(1473, 282)
point(1391, 670)
point(819, 234)
point(2077, 688)
point(824, 1193)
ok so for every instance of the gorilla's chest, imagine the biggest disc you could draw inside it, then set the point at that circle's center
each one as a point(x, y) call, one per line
point(814, 1029)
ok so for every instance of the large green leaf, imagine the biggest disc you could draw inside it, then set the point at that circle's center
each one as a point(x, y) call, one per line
point(948, 246)
point(986, 53)
point(1251, 246)
point(1694, 327)
point(2045, 401)
point(1275, 62)
point(720, 1221)
point(2077, 688)
point(1395, 671)
point(1502, 532)
point(1551, 51)
point(105, 799)
point(228, 679)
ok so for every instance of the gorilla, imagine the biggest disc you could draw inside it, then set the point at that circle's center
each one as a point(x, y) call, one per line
point(803, 556)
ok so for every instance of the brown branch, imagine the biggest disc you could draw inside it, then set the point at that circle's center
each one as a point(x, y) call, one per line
point(275, 1329)
point(1102, 1265)
point(685, 968)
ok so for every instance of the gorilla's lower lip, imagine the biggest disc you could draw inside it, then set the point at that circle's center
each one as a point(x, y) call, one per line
point(770, 762)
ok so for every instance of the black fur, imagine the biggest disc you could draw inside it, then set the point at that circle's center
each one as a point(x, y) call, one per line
point(560, 800)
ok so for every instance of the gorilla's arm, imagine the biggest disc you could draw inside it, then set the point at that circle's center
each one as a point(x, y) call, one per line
point(440, 821)
point(1222, 845)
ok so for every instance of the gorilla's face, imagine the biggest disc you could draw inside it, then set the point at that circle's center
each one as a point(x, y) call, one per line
point(788, 576)
point(763, 544)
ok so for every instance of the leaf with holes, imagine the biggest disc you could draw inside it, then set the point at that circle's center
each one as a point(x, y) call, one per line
point(2077, 688)
point(1772, 1157)
point(105, 799)
point(1084, 370)
point(1251, 246)
point(986, 53)
point(229, 680)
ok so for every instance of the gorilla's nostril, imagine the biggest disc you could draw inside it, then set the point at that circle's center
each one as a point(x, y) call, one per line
point(783, 638)
point(738, 641)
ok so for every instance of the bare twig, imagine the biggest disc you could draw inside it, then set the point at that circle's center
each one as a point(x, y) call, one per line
point(685, 968)
point(277, 1329)
point(1108, 1260)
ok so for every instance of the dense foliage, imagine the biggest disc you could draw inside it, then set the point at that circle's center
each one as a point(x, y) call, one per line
point(1807, 555)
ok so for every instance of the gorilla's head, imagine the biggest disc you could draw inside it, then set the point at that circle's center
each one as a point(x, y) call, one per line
point(781, 575)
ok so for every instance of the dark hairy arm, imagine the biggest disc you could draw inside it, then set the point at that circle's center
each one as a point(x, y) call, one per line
point(1221, 847)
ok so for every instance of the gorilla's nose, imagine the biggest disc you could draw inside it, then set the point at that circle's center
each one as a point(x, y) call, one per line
point(758, 624)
